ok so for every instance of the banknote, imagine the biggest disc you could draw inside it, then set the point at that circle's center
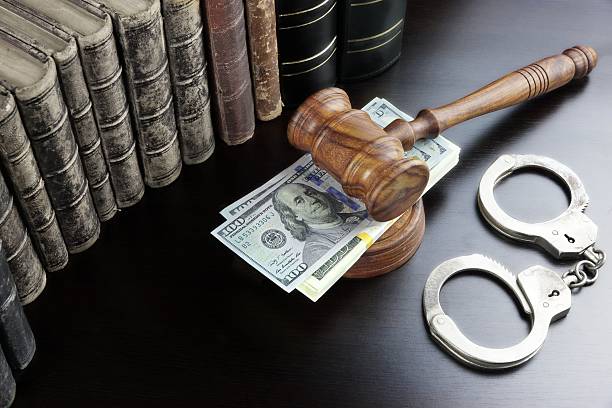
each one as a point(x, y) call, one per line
point(441, 156)
point(339, 246)
point(295, 226)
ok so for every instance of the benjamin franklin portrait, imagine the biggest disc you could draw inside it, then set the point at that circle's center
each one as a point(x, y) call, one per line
point(314, 217)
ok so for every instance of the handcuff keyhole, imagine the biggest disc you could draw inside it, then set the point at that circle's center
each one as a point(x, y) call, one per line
point(569, 239)
point(554, 293)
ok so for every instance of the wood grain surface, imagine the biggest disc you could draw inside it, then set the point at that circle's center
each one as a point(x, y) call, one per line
point(157, 313)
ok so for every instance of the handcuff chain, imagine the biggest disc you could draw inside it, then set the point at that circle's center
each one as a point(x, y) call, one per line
point(586, 271)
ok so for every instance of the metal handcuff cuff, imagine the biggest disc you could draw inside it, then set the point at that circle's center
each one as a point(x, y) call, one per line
point(543, 295)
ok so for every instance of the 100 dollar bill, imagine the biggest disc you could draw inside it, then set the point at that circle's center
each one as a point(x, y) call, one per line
point(334, 249)
point(291, 229)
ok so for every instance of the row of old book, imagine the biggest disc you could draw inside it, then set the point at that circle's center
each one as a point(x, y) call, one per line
point(99, 98)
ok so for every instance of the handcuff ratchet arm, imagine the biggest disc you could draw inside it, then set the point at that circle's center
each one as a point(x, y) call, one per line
point(542, 294)
point(566, 236)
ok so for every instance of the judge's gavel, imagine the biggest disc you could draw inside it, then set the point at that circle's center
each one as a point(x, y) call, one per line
point(368, 160)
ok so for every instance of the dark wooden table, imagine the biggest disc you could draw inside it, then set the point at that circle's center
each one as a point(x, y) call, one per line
point(158, 313)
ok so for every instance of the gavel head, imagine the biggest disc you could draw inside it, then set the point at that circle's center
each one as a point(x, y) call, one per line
point(368, 162)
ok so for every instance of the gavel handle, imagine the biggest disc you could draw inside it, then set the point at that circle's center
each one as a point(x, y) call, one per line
point(518, 86)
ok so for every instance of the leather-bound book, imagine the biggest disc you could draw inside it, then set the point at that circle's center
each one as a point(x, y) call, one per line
point(230, 76)
point(183, 26)
point(32, 78)
point(29, 187)
point(370, 37)
point(16, 336)
point(139, 29)
point(28, 272)
point(93, 31)
point(63, 49)
point(307, 43)
point(7, 383)
point(263, 51)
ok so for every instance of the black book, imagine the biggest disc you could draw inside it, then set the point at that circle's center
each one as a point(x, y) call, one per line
point(7, 383)
point(16, 336)
point(307, 41)
point(370, 38)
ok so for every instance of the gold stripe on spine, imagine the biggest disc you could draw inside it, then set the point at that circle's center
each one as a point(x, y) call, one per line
point(311, 69)
point(395, 25)
point(375, 47)
point(295, 13)
point(310, 22)
point(367, 3)
point(327, 47)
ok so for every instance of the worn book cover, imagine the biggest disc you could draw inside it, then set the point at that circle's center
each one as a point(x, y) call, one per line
point(307, 47)
point(63, 49)
point(263, 52)
point(230, 76)
point(16, 336)
point(32, 77)
point(28, 272)
point(28, 185)
point(7, 382)
point(370, 37)
point(183, 26)
point(93, 31)
point(139, 29)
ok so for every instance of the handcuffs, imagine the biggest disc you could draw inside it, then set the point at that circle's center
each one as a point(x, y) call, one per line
point(543, 295)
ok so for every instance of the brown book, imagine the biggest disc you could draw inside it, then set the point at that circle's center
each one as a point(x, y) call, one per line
point(183, 26)
point(231, 80)
point(263, 51)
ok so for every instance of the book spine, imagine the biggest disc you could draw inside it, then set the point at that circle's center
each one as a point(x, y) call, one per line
point(263, 51)
point(45, 118)
point(371, 38)
point(183, 26)
point(307, 43)
point(86, 131)
point(144, 54)
point(28, 185)
point(16, 335)
point(104, 77)
point(7, 383)
point(25, 265)
point(231, 79)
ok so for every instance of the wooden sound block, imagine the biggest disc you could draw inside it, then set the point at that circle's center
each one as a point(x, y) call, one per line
point(394, 248)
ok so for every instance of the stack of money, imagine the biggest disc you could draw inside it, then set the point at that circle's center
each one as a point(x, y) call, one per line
point(302, 231)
